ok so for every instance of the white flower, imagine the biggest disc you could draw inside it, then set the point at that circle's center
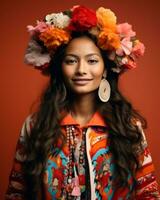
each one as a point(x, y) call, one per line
point(35, 56)
point(124, 60)
point(116, 69)
point(59, 20)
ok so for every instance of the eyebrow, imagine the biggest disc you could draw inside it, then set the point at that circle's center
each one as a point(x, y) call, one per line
point(90, 54)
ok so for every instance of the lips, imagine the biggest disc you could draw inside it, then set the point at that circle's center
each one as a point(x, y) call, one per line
point(81, 81)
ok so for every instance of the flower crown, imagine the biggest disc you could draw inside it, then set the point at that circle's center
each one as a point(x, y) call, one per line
point(119, 40)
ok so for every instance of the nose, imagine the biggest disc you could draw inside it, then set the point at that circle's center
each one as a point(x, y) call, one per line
point(81, 67)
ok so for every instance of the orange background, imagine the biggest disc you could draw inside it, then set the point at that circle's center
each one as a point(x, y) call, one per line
point(21, 85)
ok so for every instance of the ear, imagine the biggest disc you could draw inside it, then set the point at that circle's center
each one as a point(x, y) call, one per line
point(105, 73)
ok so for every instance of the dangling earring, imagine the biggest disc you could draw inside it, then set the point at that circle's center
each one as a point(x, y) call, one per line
point(104, 88)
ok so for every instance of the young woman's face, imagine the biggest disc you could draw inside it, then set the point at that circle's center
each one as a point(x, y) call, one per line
point(82, 66)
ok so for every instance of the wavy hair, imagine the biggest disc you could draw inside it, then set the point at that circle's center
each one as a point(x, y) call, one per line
point(118, 113)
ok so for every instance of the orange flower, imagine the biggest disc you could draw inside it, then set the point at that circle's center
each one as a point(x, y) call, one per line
point(106, 18)
point(108, 40)
point(54, 37)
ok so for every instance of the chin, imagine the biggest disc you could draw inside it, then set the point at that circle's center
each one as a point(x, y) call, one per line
point(84, 91)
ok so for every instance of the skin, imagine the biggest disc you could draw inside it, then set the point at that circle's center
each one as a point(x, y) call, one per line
point(82, 69)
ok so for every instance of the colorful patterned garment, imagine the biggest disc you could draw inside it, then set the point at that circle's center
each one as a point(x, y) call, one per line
point(95, 178)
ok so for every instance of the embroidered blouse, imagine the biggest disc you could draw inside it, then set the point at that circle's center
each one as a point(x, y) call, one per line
point(92, 179)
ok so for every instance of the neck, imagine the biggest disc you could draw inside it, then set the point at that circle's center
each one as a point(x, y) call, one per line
point(83, 107)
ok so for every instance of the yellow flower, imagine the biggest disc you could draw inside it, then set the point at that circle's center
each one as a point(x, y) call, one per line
point(54, 37)
point(108, 40)
point(106, 18)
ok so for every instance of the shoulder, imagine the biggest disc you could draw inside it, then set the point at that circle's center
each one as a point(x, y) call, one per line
point(143, 144)
point(137, 123)
point(27, 125)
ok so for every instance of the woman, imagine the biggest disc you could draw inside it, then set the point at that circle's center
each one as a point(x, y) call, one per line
point(85, 141)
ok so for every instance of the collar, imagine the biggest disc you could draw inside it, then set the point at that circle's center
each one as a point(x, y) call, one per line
point(96, 120)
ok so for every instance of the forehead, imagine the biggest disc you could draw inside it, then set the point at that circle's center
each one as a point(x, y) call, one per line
point(82, 45)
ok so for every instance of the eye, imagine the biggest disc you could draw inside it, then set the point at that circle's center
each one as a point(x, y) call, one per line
point(92, 61)
point(69, 61)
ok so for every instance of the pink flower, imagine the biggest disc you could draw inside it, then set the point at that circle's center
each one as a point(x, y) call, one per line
point(138, 49)
point(112, 55)
point(76, 6)
point(130, 65)
point(126, 47)
point(41, 27)
point(125, 30)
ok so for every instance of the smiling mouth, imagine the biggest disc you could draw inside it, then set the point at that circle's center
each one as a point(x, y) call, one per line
point(80, 81)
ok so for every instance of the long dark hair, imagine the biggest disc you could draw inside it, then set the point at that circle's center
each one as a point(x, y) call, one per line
point(118, 113)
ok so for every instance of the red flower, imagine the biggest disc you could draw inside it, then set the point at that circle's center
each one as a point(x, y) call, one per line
point(99, 163)
point(105, 179)
point(81, 179)
point(82, 19)
point(58, 174)
point(130, 65)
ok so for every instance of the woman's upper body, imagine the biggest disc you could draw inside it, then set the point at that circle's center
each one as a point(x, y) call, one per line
point(97, 182)
point(85, 140)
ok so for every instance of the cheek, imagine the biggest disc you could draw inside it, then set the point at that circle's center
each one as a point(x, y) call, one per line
point(67, 71)
point(98, 72)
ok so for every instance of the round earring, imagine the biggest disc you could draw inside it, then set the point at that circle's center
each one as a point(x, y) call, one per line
point(104, 90)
